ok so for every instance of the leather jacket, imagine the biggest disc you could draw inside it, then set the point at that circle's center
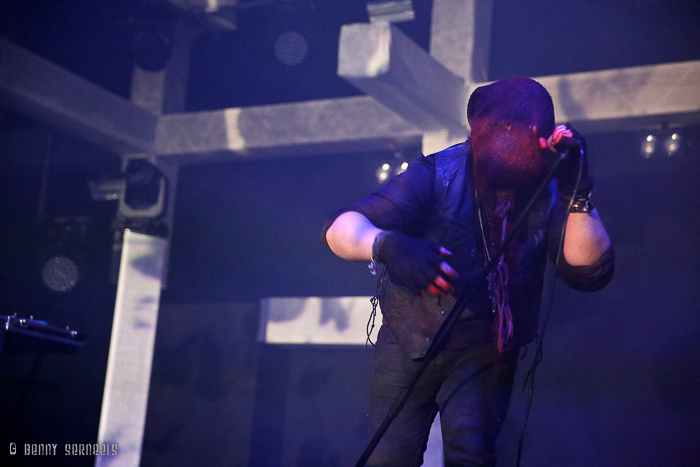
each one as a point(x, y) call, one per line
point(454, 224)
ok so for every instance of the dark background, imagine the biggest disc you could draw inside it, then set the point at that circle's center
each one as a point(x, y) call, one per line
point(620, 383)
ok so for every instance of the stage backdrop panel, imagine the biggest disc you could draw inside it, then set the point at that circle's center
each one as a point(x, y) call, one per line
point(316, 320)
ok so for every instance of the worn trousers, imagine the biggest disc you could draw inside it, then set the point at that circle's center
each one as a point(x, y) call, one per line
point(470, 387)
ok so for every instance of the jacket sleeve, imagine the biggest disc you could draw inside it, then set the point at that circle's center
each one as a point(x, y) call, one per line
point(402, 204)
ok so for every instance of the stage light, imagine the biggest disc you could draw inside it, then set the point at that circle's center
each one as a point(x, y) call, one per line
point(291, 48)
point(60, 274)
point(152, 49)
point(106, 190)
point(401, 168)
point(672, 144)
point(141, 190)
point(383, 173)
point(62, 260)
point(391, 11)
point(661, 143)
point(648, 146)
point(145, 190)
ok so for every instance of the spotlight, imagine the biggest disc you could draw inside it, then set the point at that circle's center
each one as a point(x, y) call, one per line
point(383, 173)
point(145, 190)
point(62, 264)
point(141, 190)
point(390, 10)
point(648, 146)
point(672, 144)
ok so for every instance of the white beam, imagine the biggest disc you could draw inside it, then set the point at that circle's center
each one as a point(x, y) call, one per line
point(381, 61)
point(628, 98)
point(308, 128)
point(460, 37)
point(608, 100)
point(49, 93)
point(130, 359)
point(165, 91)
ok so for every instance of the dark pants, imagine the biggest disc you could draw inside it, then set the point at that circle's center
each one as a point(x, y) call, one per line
point(470, 387)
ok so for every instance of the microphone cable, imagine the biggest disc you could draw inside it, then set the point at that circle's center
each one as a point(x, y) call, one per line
point(539, 340)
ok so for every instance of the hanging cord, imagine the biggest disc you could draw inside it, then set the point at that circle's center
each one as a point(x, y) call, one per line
point(374, 268)
point(539, 340)
point(370, 322)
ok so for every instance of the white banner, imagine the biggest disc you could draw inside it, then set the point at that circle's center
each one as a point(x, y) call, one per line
point(131, 349)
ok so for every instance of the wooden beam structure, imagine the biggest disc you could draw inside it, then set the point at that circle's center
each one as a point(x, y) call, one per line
point(600, 101)
point(626, 99)
point(34, 86)
point(381, 61)
point(308, 128)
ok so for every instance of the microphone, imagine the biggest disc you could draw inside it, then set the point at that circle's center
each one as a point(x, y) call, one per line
point(561, 141)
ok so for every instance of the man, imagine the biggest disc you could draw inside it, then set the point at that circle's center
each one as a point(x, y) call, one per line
point(433, 228)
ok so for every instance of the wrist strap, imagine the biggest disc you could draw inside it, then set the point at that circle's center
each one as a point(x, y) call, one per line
point(583, 204)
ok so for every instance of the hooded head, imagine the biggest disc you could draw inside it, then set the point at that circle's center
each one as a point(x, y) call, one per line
point(507, 119)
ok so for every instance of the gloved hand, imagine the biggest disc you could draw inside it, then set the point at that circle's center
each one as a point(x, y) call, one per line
point(418, 264)
point(566, 140)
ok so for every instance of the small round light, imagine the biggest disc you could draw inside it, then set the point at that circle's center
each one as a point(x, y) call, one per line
point(648, 146)
point(291, 48)
point(60, 274)
point(672, 144)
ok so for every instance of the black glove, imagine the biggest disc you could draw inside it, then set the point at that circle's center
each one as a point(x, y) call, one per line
point(413, 262)
point(574, 147)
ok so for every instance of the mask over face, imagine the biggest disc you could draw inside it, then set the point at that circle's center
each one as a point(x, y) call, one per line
point(507, 119)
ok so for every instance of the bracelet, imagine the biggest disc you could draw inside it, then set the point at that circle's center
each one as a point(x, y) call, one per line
point(583, 204)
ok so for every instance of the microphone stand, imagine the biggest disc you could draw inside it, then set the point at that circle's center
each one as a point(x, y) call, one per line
point(451, 319)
